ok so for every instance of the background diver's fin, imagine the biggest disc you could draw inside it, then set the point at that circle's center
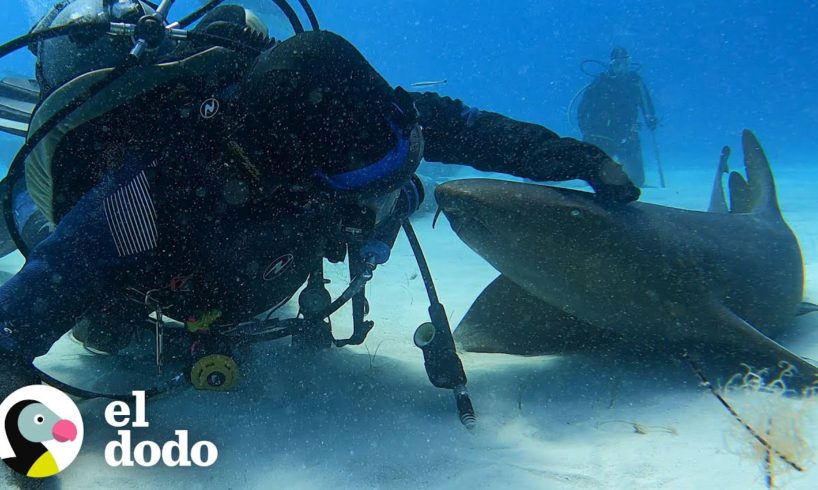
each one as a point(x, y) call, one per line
point(18, 98)
point(718, 204)
point(806, 307)
point(506, 319)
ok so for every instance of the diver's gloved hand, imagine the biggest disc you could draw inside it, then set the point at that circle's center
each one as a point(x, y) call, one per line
point(558, 159)
point(612, 185)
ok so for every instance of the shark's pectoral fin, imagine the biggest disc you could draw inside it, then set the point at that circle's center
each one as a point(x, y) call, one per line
point(730, 344)
point(759, 176)
point(507, 319)
point(806, 307)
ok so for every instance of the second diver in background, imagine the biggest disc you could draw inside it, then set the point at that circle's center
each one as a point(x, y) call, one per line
point(608, 113)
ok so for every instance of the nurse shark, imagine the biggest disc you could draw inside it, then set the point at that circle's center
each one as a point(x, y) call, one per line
point(703, 285)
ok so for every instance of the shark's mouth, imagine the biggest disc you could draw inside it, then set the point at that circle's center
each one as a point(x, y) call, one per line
point(465, 223)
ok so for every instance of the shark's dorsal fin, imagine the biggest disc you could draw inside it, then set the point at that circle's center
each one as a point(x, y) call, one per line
point(741, 199)
point(718, 204)
point(755, 194)
point(759, 177)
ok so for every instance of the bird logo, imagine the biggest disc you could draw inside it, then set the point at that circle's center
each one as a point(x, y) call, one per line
point(42, 431)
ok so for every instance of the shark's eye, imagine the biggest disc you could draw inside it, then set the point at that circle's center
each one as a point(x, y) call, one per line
point(576, 213)
point(39, 419)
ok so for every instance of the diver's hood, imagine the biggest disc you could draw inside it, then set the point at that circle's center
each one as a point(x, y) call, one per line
point(43, 176)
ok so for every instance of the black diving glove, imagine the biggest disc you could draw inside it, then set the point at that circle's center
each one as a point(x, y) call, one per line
point(612, 185)
point(569, 159)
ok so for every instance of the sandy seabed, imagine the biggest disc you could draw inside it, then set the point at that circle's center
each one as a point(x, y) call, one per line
point(367, 417)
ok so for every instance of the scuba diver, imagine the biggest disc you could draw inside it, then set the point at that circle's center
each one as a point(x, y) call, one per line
point(608, 112)
point(208, 176)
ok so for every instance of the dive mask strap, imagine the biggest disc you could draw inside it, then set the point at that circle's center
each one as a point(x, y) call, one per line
point(402, 117)
point(358, 179)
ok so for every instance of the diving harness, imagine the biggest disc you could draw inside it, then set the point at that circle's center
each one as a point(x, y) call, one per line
point(212, 366)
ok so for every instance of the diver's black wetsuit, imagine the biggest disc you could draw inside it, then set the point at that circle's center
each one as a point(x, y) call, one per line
point(608, 115)
point(225, 212)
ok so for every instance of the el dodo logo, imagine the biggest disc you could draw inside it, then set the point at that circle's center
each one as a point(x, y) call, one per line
point(41, 431)
point(148, 453)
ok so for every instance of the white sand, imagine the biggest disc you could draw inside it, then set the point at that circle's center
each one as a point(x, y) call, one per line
point(343, 419)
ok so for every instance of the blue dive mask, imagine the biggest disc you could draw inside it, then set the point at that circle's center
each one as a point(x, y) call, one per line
point(381, 170)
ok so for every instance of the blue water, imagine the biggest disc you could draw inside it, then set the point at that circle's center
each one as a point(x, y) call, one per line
point(713, 67)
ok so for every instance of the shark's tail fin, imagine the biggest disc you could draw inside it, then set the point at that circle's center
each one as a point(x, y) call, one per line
point(757, 193)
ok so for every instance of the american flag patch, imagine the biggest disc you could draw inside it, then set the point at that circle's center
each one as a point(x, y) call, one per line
point(132, 217)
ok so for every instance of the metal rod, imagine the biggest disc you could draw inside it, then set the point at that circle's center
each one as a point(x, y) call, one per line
point(658, 160)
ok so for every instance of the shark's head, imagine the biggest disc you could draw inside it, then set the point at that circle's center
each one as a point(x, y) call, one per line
point(546, 239)
point(511, 214)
